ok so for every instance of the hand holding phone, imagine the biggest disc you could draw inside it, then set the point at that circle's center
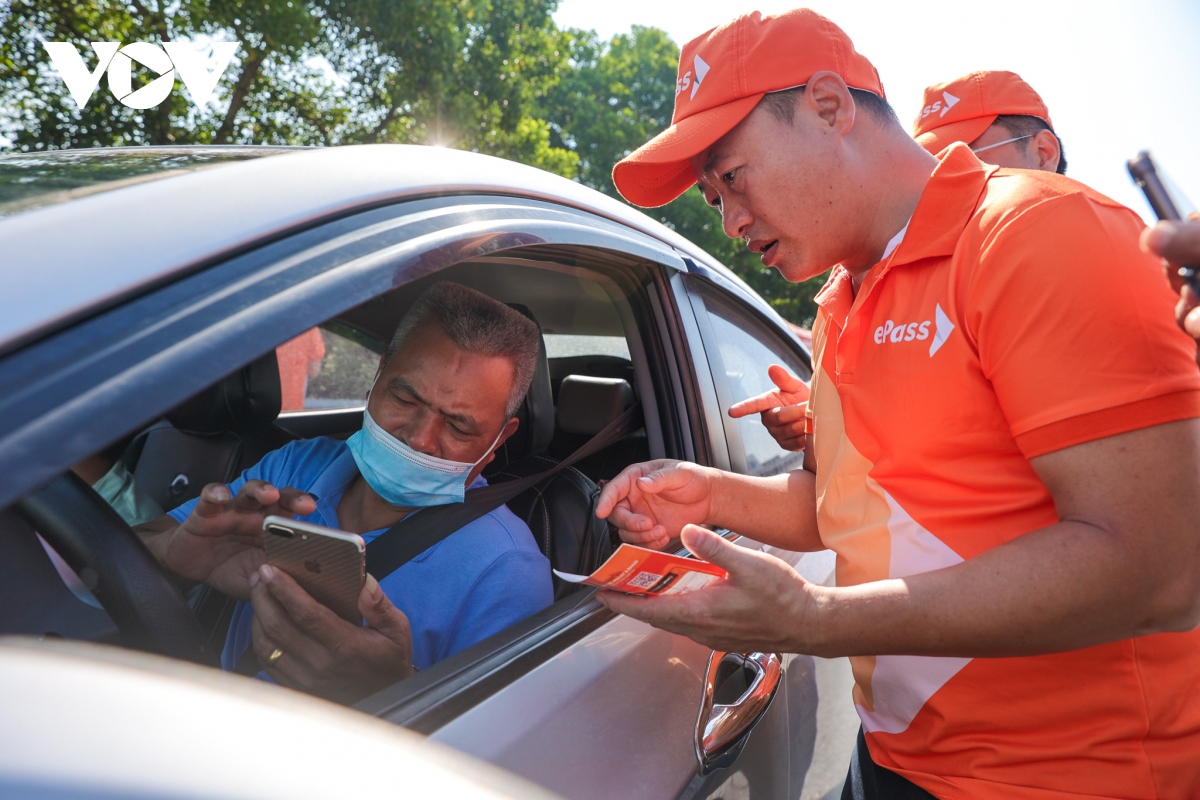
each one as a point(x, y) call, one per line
point(1145, 174)
point(327, 563)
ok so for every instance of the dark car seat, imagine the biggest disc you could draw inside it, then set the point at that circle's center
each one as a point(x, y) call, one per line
point(586, 405)
point(560, 511)
point(212, 436)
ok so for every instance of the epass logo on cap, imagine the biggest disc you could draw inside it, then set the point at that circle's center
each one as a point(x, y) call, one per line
point(687, 80)
point(945, 104)
point(118, 61)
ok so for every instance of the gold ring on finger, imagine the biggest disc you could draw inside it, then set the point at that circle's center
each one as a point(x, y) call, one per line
point(276, 654)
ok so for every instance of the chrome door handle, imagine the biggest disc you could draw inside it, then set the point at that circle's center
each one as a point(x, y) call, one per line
point(723, 727)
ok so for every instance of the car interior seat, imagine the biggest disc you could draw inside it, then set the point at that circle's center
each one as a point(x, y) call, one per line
point(560, 511)
point(586, 404)
point(211, 437)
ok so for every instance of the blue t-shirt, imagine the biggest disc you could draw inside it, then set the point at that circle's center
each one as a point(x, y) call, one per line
point(475, 582)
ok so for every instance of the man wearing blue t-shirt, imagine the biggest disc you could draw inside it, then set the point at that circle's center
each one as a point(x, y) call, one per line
point(445, 397)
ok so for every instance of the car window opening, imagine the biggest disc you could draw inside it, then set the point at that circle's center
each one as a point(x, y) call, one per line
point(314, 385)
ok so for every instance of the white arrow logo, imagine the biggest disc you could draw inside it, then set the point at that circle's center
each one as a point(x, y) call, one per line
point(948, 101)
point(701, 71)
point(944, 328)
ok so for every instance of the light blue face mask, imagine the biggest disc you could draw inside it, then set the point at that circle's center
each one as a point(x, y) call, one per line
point(402, 476)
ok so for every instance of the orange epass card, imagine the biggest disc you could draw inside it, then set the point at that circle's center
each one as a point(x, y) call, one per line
point(636, 570)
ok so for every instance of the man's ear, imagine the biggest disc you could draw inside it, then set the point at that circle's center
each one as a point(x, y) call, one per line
point(829, 98)
point(510, 428)
point(1045, 150)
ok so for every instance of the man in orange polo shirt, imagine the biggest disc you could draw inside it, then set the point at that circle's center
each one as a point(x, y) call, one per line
point(1005, 453)
point(1005, 123)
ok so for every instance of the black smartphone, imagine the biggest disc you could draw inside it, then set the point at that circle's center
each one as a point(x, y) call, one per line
point(1145, 175)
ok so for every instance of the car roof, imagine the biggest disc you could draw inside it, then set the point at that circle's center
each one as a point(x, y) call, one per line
point(64, 260)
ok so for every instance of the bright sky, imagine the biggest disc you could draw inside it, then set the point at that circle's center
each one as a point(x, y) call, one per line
point(1117, 77)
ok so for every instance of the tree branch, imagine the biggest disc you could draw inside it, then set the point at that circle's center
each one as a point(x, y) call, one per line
point(373, 136)
point(249, 72)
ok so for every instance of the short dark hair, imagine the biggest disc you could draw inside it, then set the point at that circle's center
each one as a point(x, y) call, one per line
point(782, 105)
point(480, 324)
point(1027, 125)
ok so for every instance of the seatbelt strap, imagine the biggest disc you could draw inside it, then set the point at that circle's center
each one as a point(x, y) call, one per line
point(419, 531)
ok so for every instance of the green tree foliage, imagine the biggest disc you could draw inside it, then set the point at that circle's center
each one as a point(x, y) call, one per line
point(494, 76)
point(461, 73)
point(618, 95)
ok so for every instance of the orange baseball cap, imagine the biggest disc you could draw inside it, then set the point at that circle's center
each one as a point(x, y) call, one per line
point(722, 75)
point(962, 109)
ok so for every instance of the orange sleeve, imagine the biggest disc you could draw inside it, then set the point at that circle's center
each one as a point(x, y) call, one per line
point(1075, 327)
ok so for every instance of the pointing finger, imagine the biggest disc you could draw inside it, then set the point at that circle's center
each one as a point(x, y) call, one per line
point(754, 405)
point(786, 381)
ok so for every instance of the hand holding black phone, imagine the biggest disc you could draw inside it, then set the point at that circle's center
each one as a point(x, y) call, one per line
point(1145, 175)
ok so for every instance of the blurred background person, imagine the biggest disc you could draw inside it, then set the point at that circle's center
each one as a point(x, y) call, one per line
point(299, 362)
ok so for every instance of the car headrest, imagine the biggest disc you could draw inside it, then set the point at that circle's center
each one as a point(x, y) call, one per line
point(250, 395)
point(586, 404)
point(536, 413)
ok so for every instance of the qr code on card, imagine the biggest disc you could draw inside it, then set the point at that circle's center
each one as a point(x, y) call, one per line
point(644, 580)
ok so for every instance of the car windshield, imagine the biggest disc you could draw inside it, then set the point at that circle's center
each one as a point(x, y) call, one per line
point(33, 180)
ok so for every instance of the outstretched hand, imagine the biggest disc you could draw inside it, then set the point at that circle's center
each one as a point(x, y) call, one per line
point(221, 541)
point(649, 503)
point(782, 409)
point(763, 605)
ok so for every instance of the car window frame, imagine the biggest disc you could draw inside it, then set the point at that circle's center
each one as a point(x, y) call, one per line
point(697, 287)
point(181, 336)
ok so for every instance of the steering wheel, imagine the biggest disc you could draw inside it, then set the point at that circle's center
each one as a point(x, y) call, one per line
point(147, 608)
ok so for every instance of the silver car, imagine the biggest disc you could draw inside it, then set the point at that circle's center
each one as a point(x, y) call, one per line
point(155, 308)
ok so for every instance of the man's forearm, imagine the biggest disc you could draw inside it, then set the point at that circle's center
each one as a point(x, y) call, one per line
point(1065, 587)
point(780, 510)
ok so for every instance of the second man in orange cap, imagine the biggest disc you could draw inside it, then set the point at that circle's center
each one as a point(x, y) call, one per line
point(998, 115)
point(1004, 449)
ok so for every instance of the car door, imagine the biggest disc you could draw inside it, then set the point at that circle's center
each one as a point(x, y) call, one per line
point(586, 703)
point(742, 340)
point(616, 708)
